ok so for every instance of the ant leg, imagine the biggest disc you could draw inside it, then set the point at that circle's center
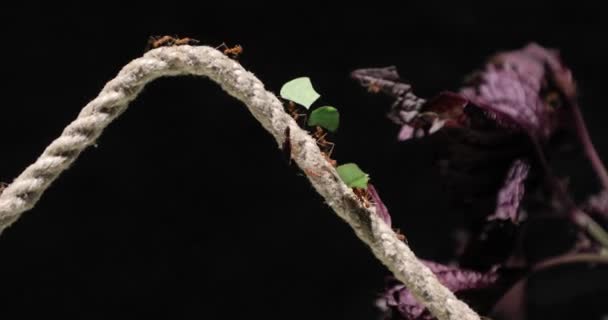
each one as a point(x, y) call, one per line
point(302, 115)
point(319, 135)
point(312, 172)
point(150, 44)
point(291, 108)
point(327, 144)
point(331, 148)
point(330, 160)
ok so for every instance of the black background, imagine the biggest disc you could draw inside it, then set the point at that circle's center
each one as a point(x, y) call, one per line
point(186, 209)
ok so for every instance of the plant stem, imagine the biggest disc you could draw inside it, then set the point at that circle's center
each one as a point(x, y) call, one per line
point(580, 218)
point(588, 147)
point(594, 229)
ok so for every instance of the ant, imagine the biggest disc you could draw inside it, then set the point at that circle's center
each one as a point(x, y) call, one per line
point(331, 161)
point(3, 186)
point(293, 112)
point(320, 135)
point(168, 41)
point(312, 172)
point(400, 235)
point(364, 197)
point(233, 52)
point(373, 87)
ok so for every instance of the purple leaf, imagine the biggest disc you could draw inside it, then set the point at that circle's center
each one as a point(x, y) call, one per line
point(381, 209)
point(417, 117)
point(398, 301)
point(523, 89)
point(406, 132)
point(388, 81)
point(457, 279)
point(511, 193)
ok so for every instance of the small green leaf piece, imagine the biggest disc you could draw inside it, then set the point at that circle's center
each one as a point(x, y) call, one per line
point(300, 91)
point(352, 175)
point(325, 117)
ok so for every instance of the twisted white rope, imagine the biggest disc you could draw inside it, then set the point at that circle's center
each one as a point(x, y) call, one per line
point(26, 189)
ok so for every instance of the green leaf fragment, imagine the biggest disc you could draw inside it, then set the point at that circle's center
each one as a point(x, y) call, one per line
point(300, 91)
point(353, 176)
point(326, 117)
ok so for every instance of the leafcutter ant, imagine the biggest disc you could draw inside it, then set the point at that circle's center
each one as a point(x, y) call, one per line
point(168, 41)
point(232, 52)
point(373, 87)
point(364, 197)
point(3, 186)
point(326, 147)
point(292, 109)
point(400, 235)
point(312, 172)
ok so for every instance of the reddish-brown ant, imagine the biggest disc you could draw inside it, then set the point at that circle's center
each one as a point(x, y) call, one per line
point(373, 87)
point(293, 112)
point(400, 235)
point(331, 161)
point(167, 41)
point(320, 135)
point(232, 52)
point(3, 186)
point(312, 172)
point(364, 197)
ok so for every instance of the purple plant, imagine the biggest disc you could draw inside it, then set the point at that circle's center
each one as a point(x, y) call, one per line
point(398, 301)
point(505, 115)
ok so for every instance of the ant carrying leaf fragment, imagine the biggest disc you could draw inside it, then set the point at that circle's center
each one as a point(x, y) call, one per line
point(293, 112)
point(353, 176)
point(300, 91)
point(327, 147)
point(363, 196)
point(326, 117)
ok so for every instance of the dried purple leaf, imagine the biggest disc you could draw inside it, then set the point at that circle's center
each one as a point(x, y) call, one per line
point(417, 117)
point(457, 279)
point(287, 145)
point(388, 81)
point(381, 209)
point(398, 301)
point(523, 89)
point(511, 193)
point(406, 132)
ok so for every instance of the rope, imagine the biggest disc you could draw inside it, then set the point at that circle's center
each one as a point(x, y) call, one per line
point(25, 191)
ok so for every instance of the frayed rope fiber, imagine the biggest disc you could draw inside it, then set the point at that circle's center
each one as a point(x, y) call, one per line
point(23, 193)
